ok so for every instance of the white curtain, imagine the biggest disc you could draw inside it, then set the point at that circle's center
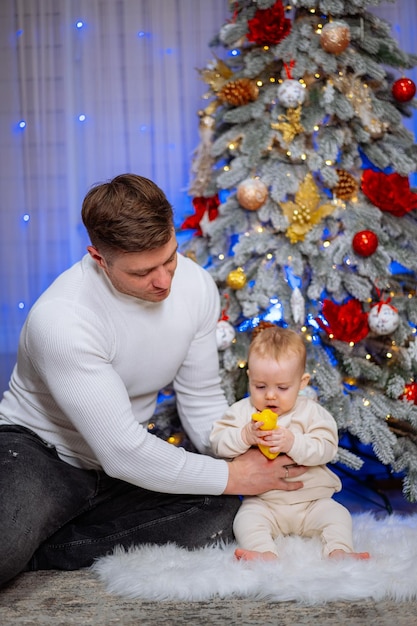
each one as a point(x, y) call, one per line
point(91, 89)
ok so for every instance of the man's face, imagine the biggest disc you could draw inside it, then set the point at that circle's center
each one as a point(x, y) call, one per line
point(146, 275)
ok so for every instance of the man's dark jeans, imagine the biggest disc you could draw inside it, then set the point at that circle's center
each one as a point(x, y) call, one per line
point(56, 516)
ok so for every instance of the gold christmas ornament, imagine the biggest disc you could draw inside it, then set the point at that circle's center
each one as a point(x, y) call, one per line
point(358, 93)
point(347, 187)
point(216, 74)
point(335, 37)
point(252, 193)
point(236, 279)
point(239, 92)
point(306, 211)
point(289, 125)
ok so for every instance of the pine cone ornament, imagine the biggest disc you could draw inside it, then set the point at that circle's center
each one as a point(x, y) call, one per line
point(347, 187)
point(239, 92)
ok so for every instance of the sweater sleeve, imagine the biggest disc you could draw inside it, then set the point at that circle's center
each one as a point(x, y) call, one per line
point(315, 434)
point(199, 395)
point(72, 358)
point(226, 435)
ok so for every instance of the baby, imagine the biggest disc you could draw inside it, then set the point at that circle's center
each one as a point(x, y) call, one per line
point(306, 432)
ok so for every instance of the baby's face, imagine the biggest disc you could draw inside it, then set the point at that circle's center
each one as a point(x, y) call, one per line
point(275, 384)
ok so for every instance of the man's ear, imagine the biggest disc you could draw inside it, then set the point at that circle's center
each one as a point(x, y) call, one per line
point(97, 257)
point(305, 379)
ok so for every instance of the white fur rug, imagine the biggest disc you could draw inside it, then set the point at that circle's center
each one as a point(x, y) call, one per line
point(301, 574)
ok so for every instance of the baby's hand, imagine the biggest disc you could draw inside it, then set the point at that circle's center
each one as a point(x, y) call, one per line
point(279, 440)
point(252, 434)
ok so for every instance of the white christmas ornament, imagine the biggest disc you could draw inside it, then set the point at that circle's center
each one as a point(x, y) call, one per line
point(412, 350)
point(383, 319)
point(297, 306)
point(225, 333)
point(291, 93)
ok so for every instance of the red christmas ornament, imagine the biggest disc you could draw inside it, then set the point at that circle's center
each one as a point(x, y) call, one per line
point(365, 242)
point(389, 192)
point(203, 206)
point(404, 89)
point(346, 322)
point(410, 392)
point(269, 26)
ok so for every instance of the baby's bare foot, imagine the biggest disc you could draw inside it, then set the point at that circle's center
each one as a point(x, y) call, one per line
point(341, 554)
point(252, 555)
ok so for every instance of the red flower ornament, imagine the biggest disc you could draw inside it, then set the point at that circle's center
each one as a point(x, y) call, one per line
point(389, 192)
point(410, 393)
point(204, 208)
point(345, 322)
point(269, 26)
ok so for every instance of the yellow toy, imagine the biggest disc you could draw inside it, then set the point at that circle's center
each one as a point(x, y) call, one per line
point(269, 419)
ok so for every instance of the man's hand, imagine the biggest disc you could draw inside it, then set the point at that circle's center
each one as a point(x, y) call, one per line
point(252, 473)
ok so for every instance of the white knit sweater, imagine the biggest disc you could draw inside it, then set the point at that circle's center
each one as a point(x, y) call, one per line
point(91, 361)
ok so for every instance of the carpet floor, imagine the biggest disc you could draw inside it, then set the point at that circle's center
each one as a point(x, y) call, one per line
point(79, 598)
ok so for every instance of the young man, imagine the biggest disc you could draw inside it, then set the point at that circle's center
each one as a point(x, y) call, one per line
point(80, 473)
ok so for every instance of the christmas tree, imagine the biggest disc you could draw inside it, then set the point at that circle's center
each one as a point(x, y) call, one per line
point(304, 214)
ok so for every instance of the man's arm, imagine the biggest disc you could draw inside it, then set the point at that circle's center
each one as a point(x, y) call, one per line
point(252, 474)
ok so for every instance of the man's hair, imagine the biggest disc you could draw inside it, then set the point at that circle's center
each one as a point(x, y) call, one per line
point(276, 342)
point(127, 214)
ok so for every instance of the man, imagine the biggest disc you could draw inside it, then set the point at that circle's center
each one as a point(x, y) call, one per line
point(80, 473)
